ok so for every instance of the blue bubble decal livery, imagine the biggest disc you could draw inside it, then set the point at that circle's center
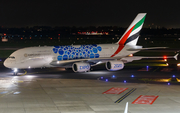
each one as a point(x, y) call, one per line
point(82, 52)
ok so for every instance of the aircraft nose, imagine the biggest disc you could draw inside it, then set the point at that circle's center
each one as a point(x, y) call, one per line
point(6, 63)
point(9, 63)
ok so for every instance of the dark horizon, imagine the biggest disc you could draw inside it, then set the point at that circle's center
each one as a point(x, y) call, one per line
point(87, 13)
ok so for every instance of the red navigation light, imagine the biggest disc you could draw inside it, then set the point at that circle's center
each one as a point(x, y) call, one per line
point(4, 34)
point(165, 58)
point(59, 34)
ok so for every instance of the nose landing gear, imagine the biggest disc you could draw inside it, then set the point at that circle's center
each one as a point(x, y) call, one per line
point(15, 71)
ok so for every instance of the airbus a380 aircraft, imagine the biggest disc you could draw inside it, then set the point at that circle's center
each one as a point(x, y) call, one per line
point(81, 57)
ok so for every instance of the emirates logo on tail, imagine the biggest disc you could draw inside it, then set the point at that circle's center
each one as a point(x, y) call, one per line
point(132, 33)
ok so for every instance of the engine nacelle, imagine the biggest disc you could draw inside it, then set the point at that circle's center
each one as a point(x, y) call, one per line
point(114, 65)
point(81, 67)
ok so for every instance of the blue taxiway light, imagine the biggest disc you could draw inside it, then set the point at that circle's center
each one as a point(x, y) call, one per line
point(132, 76)
point(106, 80)
point(147, 68)
point(113, 76)
point(173, 76)
point(124, 81)
point(168, 83)
point(101, 77)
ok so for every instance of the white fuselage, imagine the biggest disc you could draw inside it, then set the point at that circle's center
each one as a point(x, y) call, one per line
point(37, 57)
point(80, 57)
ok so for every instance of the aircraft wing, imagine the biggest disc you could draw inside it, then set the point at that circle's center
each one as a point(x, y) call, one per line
point(96, 61)
point(91, 61)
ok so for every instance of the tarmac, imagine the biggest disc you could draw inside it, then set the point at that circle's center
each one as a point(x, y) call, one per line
point(54, 90)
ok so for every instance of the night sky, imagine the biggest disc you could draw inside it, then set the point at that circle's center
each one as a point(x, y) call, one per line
point(22, 13)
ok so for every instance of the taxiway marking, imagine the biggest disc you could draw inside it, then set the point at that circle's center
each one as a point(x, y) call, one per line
point(124, 96)
point(145, 99)
point(115, 90)
point(24, 73)
point(6, 94)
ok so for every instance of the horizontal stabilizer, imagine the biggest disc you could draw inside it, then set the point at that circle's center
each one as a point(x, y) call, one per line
point(130, 59)
point(175, 57)
point(139, 49)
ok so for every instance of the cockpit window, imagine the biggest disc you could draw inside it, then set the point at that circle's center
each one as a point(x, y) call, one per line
point(12, 57)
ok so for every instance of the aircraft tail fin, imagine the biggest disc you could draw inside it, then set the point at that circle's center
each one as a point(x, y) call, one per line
point(131, 35)
point(126, 108)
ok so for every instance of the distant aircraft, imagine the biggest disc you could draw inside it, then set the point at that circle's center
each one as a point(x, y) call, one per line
point(81, 57)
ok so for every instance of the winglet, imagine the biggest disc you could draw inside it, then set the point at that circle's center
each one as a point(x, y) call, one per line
point(175, 57)
point(126, 108)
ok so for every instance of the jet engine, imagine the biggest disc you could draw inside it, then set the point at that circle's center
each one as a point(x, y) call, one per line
point(81, 67)
point(114, 65)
